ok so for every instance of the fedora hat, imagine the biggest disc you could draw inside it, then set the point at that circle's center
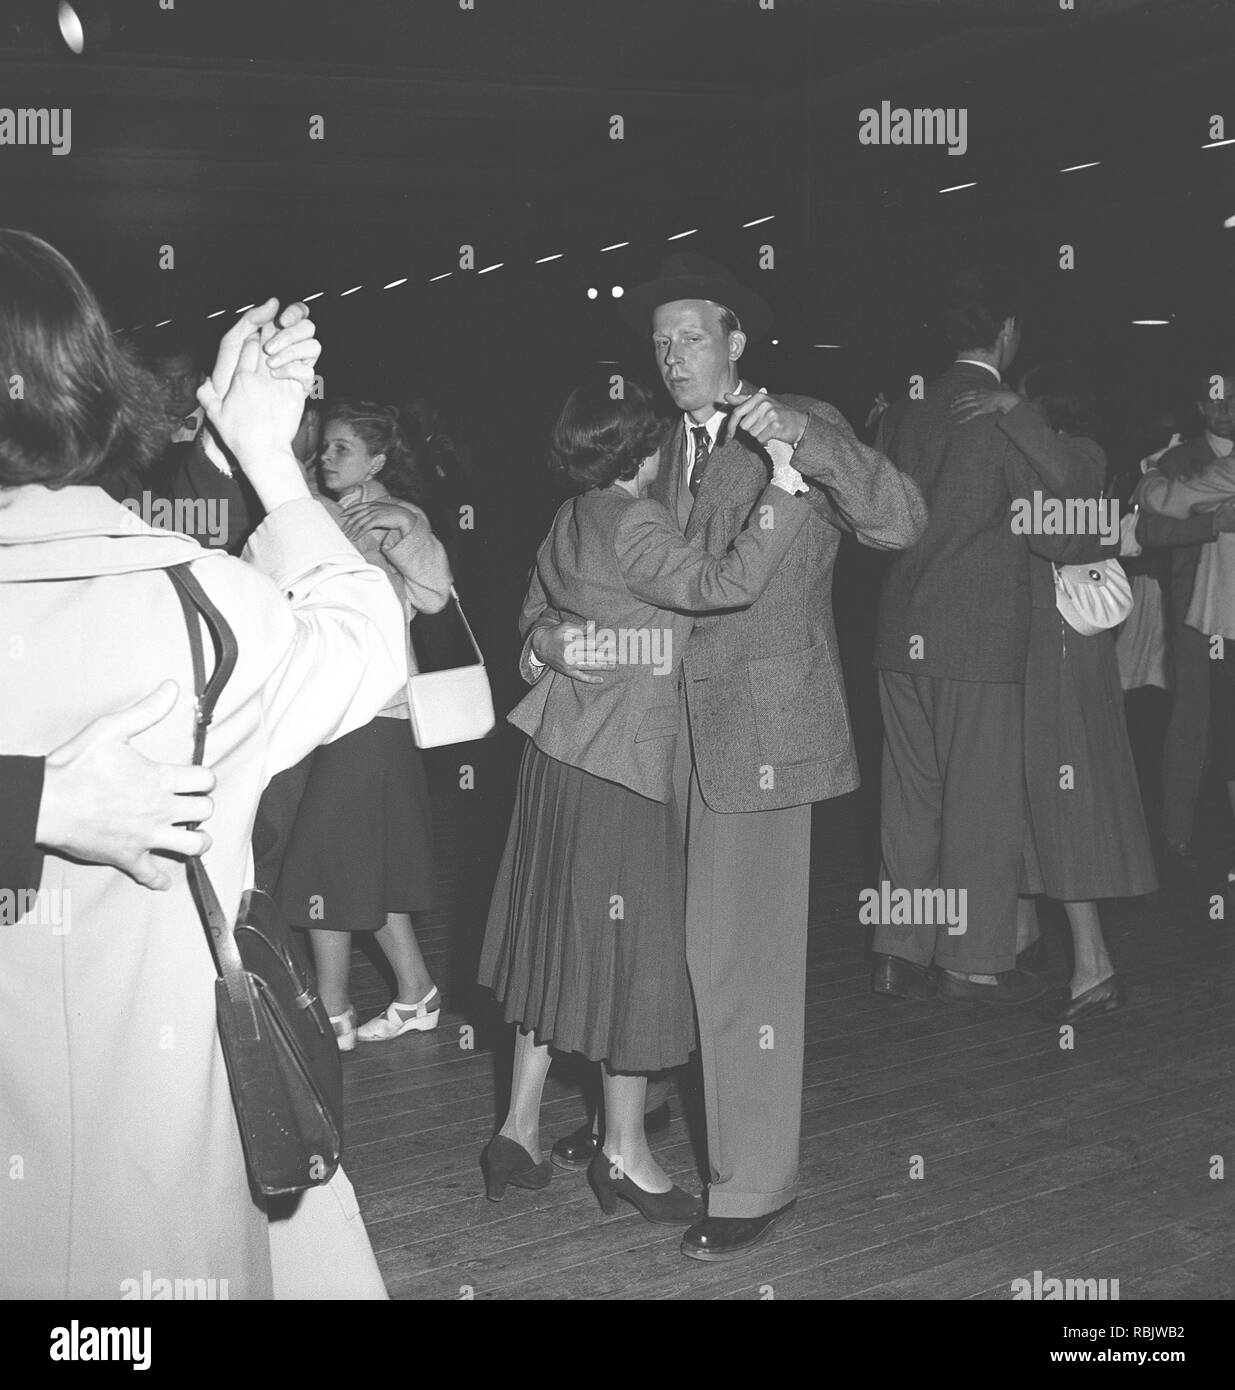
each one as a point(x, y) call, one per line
point(684, 276)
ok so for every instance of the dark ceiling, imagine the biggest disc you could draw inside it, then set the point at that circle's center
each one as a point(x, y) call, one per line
point(490, 127)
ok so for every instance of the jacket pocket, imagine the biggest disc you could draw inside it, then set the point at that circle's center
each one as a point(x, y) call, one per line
point(799, 707)
point(659, 722)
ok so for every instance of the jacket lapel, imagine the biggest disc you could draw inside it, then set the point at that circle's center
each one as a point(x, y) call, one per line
point(725, 474)
point(665, 486)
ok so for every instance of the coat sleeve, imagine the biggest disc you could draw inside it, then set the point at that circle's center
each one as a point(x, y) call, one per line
point(21, 791)
point(862, 490)
point(1154, 530)
point(662, 567)
point(536, 612)
point(1047, 461)
point(421, 560)
point(337, 639)
point(1067, 467)
point(1182, 496)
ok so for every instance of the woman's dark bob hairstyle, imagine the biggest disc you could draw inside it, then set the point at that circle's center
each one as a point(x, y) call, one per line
point(598, 440)
point(74, 405)
point(1061, 388)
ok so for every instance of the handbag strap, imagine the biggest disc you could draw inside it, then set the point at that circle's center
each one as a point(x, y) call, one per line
point(193, 601)
point(467, 627)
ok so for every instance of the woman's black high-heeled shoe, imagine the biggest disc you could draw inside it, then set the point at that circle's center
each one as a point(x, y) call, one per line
point(673, 1208)
point(504, 1162)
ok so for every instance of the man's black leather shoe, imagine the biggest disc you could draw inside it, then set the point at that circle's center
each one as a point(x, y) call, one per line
point(903, 978)
point(1178, 862)
point(724, 1237)
point(577, 1149)
point(1033, 957)
point(581, 1146)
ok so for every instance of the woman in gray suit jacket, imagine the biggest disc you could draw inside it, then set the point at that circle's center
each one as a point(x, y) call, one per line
point(585, 943)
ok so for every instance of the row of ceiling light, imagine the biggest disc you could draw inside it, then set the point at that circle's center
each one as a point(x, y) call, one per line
point(617, 291)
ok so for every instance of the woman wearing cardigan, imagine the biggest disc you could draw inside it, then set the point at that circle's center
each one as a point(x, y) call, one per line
point(585, 942)
point(1087, 838)
point(360, 853)
point(113, 1087)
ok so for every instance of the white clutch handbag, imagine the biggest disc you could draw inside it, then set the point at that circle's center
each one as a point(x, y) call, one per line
point(452, 704)
point(1093, 598)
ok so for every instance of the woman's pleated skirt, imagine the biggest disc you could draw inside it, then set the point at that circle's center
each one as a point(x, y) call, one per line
point(586, 937)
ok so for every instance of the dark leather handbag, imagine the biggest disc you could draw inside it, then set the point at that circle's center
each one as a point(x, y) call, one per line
point(278, 1042)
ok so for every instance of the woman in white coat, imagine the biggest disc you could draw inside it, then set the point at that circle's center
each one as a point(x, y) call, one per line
point(124, 1161)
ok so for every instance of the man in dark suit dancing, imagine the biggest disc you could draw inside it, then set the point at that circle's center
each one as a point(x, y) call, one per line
point(183, 489)
point(765, 729)
point(950, 645)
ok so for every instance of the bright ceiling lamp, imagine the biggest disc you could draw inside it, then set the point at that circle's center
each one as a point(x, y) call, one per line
point(83, 25)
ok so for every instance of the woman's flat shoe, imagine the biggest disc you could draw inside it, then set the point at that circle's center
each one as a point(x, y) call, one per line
point(344, 1026)
point(504, 1162)
point(673, 1208)
point(1102, 998)
point(403, 1018)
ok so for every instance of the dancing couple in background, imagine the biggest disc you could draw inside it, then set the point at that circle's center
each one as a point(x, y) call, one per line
point(1007, 771)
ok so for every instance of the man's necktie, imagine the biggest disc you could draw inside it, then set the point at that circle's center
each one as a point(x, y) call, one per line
point(703, 451)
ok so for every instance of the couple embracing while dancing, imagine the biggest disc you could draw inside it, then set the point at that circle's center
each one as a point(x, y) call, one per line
point(653, 892)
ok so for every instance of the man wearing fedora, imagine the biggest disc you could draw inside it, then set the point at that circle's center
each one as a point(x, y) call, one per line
point(765, 728)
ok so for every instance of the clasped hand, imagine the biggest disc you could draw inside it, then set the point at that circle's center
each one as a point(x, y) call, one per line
point(389, 517)
point(763, 418)
point(562, 648)
point(254, 397)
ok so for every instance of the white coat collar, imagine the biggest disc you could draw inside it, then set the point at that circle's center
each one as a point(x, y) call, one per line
point(78, 532)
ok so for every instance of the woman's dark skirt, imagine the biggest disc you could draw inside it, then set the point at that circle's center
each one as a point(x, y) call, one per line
point(586, 938)
point(361, 845)
point(1087, 836)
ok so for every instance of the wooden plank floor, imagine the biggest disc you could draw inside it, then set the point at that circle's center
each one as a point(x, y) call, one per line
point(1093, 1162)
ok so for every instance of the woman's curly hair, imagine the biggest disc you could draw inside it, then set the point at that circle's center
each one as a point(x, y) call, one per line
point(381, 429)
point(598, 440)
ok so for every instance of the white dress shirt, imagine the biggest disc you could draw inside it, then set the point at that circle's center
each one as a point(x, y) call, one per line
point(713, 428)
point(973, 362)
point(190, 427)
point(779, 452)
